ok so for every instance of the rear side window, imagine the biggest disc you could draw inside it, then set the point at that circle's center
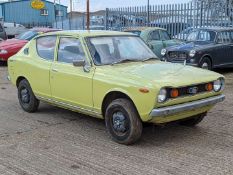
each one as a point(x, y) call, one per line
point(225, 37)
point(45, 47)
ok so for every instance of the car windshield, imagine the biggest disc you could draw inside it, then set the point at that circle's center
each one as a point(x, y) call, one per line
point(118, 49)
point(27, 35)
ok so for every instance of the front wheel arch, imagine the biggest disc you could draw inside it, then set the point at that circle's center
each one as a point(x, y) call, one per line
point(111, 96)
point(208, 57)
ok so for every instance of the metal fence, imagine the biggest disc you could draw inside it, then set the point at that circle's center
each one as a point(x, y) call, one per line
point(178, 19)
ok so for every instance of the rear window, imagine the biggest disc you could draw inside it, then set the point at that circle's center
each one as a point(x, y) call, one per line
point(46, 46)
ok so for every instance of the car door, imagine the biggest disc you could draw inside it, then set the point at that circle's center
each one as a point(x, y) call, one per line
point(155, 43)
point(71, 85)
point(223, 49)
point(43, 56)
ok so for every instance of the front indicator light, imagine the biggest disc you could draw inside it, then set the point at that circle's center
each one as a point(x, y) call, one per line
point(144, 90)
point(209, 87)
point(162, 95)
point(174, 93)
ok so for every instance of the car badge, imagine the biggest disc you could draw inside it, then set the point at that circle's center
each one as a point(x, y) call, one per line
point(193, 90)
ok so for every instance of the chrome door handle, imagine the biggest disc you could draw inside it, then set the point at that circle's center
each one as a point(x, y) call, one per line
point(54, 70)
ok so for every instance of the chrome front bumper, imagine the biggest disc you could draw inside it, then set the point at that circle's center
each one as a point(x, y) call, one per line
point(165, 111)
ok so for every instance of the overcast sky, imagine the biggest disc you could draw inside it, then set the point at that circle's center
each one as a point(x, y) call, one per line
point(80, 5)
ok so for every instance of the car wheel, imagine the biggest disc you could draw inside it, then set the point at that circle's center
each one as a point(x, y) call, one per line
point(193, 121)
point(123, 122)
point(206, 64)
point(26, 97)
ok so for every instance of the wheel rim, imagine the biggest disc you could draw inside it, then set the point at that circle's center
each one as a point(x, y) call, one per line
point(120, 123)
point(25, 96)
point(205, 66)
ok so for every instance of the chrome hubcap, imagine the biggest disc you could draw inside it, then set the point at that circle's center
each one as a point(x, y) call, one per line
point(25, 97)
point(205, 66)
point(119, 122)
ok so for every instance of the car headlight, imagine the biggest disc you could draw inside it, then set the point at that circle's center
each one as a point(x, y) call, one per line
point(3, 51)
point(163, 52)
point(162, 95)
point(192, 53)
point(219, 85)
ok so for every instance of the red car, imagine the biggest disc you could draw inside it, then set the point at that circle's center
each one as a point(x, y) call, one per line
point(10, 47)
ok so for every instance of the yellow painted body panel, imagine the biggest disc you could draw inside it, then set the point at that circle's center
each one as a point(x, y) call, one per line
point(73, 88)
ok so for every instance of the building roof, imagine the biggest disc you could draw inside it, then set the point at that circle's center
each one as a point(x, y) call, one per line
point(30, 0)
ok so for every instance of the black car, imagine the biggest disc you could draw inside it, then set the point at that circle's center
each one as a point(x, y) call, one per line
point(207, 48)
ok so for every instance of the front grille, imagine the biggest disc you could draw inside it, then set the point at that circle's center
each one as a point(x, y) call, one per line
point(177, 55)
point(190, 90)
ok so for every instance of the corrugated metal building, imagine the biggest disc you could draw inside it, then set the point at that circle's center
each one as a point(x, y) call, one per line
point(21, 12)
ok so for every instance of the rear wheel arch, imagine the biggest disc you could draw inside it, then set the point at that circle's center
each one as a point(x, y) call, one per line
point(19, 79)
point(111, 96)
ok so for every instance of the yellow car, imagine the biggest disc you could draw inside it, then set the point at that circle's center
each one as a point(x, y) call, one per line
point(112, 76)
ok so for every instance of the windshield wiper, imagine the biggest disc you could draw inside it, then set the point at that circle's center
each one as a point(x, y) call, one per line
point(151, 58)
point(125, 60)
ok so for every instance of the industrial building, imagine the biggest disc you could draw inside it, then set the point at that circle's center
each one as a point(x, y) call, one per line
point(21, 12)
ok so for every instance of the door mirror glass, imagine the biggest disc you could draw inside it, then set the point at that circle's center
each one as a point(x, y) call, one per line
point(79, 63)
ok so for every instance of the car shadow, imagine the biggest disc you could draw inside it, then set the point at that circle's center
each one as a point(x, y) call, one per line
point(3, 63)
point(224, 70)
point(152, 136)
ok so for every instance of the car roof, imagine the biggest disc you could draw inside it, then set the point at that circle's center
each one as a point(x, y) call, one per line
point(44, 30)
point(143, 28)
point(86, 33)
point(216, 29)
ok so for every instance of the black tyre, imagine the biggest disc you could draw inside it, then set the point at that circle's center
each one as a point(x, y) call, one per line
point(123, 122)
point(193, 121)
point(26, 97)
point(205, 63)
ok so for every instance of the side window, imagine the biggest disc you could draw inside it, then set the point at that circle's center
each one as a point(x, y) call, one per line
point(45, 47)
point(192, 36)
point(154, 35)
point(70, 49)
point(165, 35)
point(224, 38)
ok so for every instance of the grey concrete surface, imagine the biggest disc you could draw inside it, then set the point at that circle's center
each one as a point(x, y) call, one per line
point(57, 141)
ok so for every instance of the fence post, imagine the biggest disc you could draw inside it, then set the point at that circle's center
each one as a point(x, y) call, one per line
point(148, 13)
point(106, 18)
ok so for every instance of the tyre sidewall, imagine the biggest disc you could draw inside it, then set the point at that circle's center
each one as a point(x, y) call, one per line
point(135, 124)
point(206, 60)
point(33, 103)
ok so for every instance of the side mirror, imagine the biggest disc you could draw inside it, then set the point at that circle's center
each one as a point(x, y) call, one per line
point(79, 63)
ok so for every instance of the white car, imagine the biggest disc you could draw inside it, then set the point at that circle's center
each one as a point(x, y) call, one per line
point(13, 29)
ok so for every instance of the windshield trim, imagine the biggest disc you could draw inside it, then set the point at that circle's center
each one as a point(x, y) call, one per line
point(90, 49)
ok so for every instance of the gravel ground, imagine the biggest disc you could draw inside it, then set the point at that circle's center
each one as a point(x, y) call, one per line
point(57, 141)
